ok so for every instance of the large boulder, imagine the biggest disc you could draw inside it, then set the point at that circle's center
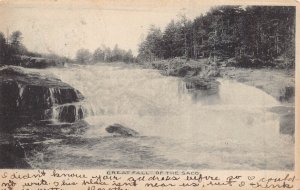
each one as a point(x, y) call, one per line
point(184, 70)
point(26, 96)
point(199, 83)
point(121, 130)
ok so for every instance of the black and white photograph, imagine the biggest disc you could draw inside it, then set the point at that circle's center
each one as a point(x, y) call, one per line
point(147, 85)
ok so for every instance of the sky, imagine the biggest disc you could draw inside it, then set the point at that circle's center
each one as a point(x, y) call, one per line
point(62, 27)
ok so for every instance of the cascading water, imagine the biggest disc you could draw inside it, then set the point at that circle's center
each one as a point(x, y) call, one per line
point(229, 130)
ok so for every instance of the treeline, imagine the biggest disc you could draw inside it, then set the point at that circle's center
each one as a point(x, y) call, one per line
point(250, 36)
point(13, 51)
point(104, 54)
point(11, 47)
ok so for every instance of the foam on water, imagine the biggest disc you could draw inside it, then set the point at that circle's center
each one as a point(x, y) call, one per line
point(230, 130)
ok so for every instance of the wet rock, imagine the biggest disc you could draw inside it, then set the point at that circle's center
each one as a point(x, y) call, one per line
point(199, 83)
point(12, 153)
point(28, 96)
point(184, 71)
point(287, 119)
point(121, 130)
point(287, 94)
point(70, 113)
point(287, 124)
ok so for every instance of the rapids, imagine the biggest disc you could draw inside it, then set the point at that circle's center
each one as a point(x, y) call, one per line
point(178, 129)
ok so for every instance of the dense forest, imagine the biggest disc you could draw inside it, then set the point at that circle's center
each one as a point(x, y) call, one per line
point(104, 54)
point(250, 36)
point(253, 36)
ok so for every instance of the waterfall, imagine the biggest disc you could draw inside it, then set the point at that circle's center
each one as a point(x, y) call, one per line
point(133, 95)
point(21, 91)
point(225, 130)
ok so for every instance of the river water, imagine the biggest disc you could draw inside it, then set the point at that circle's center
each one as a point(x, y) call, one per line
point(177, 129)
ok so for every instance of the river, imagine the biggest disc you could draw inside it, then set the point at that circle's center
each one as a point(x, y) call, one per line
point(177, 129)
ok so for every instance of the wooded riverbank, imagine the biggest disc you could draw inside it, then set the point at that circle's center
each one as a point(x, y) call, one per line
point(279, 83)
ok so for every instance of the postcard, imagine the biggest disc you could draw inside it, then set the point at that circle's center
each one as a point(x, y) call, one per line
point(103, 95)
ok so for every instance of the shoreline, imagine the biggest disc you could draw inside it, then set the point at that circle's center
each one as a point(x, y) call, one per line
point(278, 83)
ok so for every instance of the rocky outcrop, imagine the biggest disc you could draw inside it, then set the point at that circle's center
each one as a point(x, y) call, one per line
point(39, 62)
point(26, 97)
point(287, 119)
point(184, 70)
point(199, 83)
point(287, 94)
point(121, 130)
point(198, 75)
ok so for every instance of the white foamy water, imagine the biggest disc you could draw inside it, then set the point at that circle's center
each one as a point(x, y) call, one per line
point(230, 130)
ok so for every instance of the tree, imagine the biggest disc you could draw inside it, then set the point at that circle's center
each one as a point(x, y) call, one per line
point(184, 35)
point(16, 38)
point(3, 48)
point(253, 36)
point(170, 40)
point(16, 42)
point(107, 54)
point(83, 56)
point(128, 57)
point(116, 54)
point(98, 55)
point(152, 47)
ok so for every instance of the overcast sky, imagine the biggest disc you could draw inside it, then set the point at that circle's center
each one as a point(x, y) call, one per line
point(63, 28)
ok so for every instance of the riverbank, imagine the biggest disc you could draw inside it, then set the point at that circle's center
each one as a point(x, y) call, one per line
point(198, 75)
point(279, 83)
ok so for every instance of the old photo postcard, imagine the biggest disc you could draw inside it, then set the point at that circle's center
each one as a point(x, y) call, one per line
point(119, 95)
